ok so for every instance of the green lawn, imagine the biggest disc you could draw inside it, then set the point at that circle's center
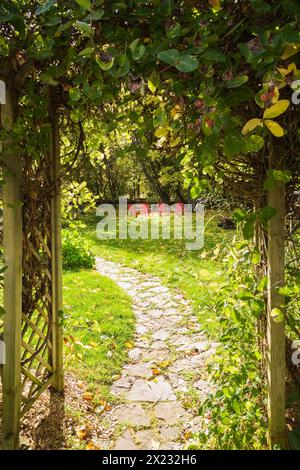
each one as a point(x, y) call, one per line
point(98, 324)
point(196, 273)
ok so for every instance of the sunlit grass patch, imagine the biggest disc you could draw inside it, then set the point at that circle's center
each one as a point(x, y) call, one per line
point(98, 324)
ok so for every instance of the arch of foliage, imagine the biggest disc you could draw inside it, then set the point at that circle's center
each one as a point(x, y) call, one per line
point(210, 81)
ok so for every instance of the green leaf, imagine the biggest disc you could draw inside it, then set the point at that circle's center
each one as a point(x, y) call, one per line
point(275, 176)
point(170, 56)
point(251, 125)
point(237, 81)
point(233, 144)
point(215, 55)
point(277, 315)
point(95, 15)
point(236, 406)
point(48, 79)
point(86, 4)
point(123, 66)
point(291, 37)
point(44, 7)
point(249, 226)
point(266, 214)
point(239, 215)
point(137, 50)
point(187, 63)
point(105, 65)
point(85, 28)
point(74, 93)
point(87, 52)
point(294, 439)
point(263, 284)
point(254, 143)
point(260, 6)
point(159, 117)
point(196, 190)
point(173, 31)
point(255, 257)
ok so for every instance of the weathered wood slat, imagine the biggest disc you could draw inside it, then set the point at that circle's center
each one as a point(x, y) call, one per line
point(12, 248)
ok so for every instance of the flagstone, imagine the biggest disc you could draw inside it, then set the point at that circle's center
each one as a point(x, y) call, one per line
point(168, 348)
point(151, 391)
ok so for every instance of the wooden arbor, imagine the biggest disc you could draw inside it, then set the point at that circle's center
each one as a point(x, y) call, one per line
point(33, 278)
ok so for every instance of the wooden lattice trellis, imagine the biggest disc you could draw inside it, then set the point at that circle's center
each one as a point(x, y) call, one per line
point(32, 284)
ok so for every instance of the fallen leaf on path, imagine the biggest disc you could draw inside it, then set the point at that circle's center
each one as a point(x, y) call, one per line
point(164, 364)
point(187, 435)
point(116, 377)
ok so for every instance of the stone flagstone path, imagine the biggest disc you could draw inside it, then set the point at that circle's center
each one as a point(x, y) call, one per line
point(165, 366)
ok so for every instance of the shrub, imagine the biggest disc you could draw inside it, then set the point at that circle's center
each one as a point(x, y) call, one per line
point(234, 417)
point(76, 251)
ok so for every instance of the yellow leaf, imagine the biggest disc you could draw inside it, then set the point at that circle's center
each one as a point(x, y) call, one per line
point(174, 142)
point(290, 50)
point(88, 396)
point(116, 377)
point(161, 132)
point(275, 95)
point(92, 446)
point(80, 384)
point(251, 125)
point(81, 432)
point(291, 68)
point(164, 364)
point(129, 345)
point(215, 4)
point(174, 113)
point(274, 127)
point(156, 371)
point(278, 108)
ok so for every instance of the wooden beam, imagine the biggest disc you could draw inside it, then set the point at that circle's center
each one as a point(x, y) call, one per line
point(275, 325)
point(12, 248)
point(57, 302)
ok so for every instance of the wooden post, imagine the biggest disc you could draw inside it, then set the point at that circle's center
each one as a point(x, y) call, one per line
point(12, 247)
point(57, 330)
point(276, 329)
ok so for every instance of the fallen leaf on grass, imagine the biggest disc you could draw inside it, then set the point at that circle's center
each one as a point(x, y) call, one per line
point(88, 396)
point(92, 446)
point(104, 406)
point(81, 432)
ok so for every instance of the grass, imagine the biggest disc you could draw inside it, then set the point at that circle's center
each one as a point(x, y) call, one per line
point(196, 273)
point(98, 324)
